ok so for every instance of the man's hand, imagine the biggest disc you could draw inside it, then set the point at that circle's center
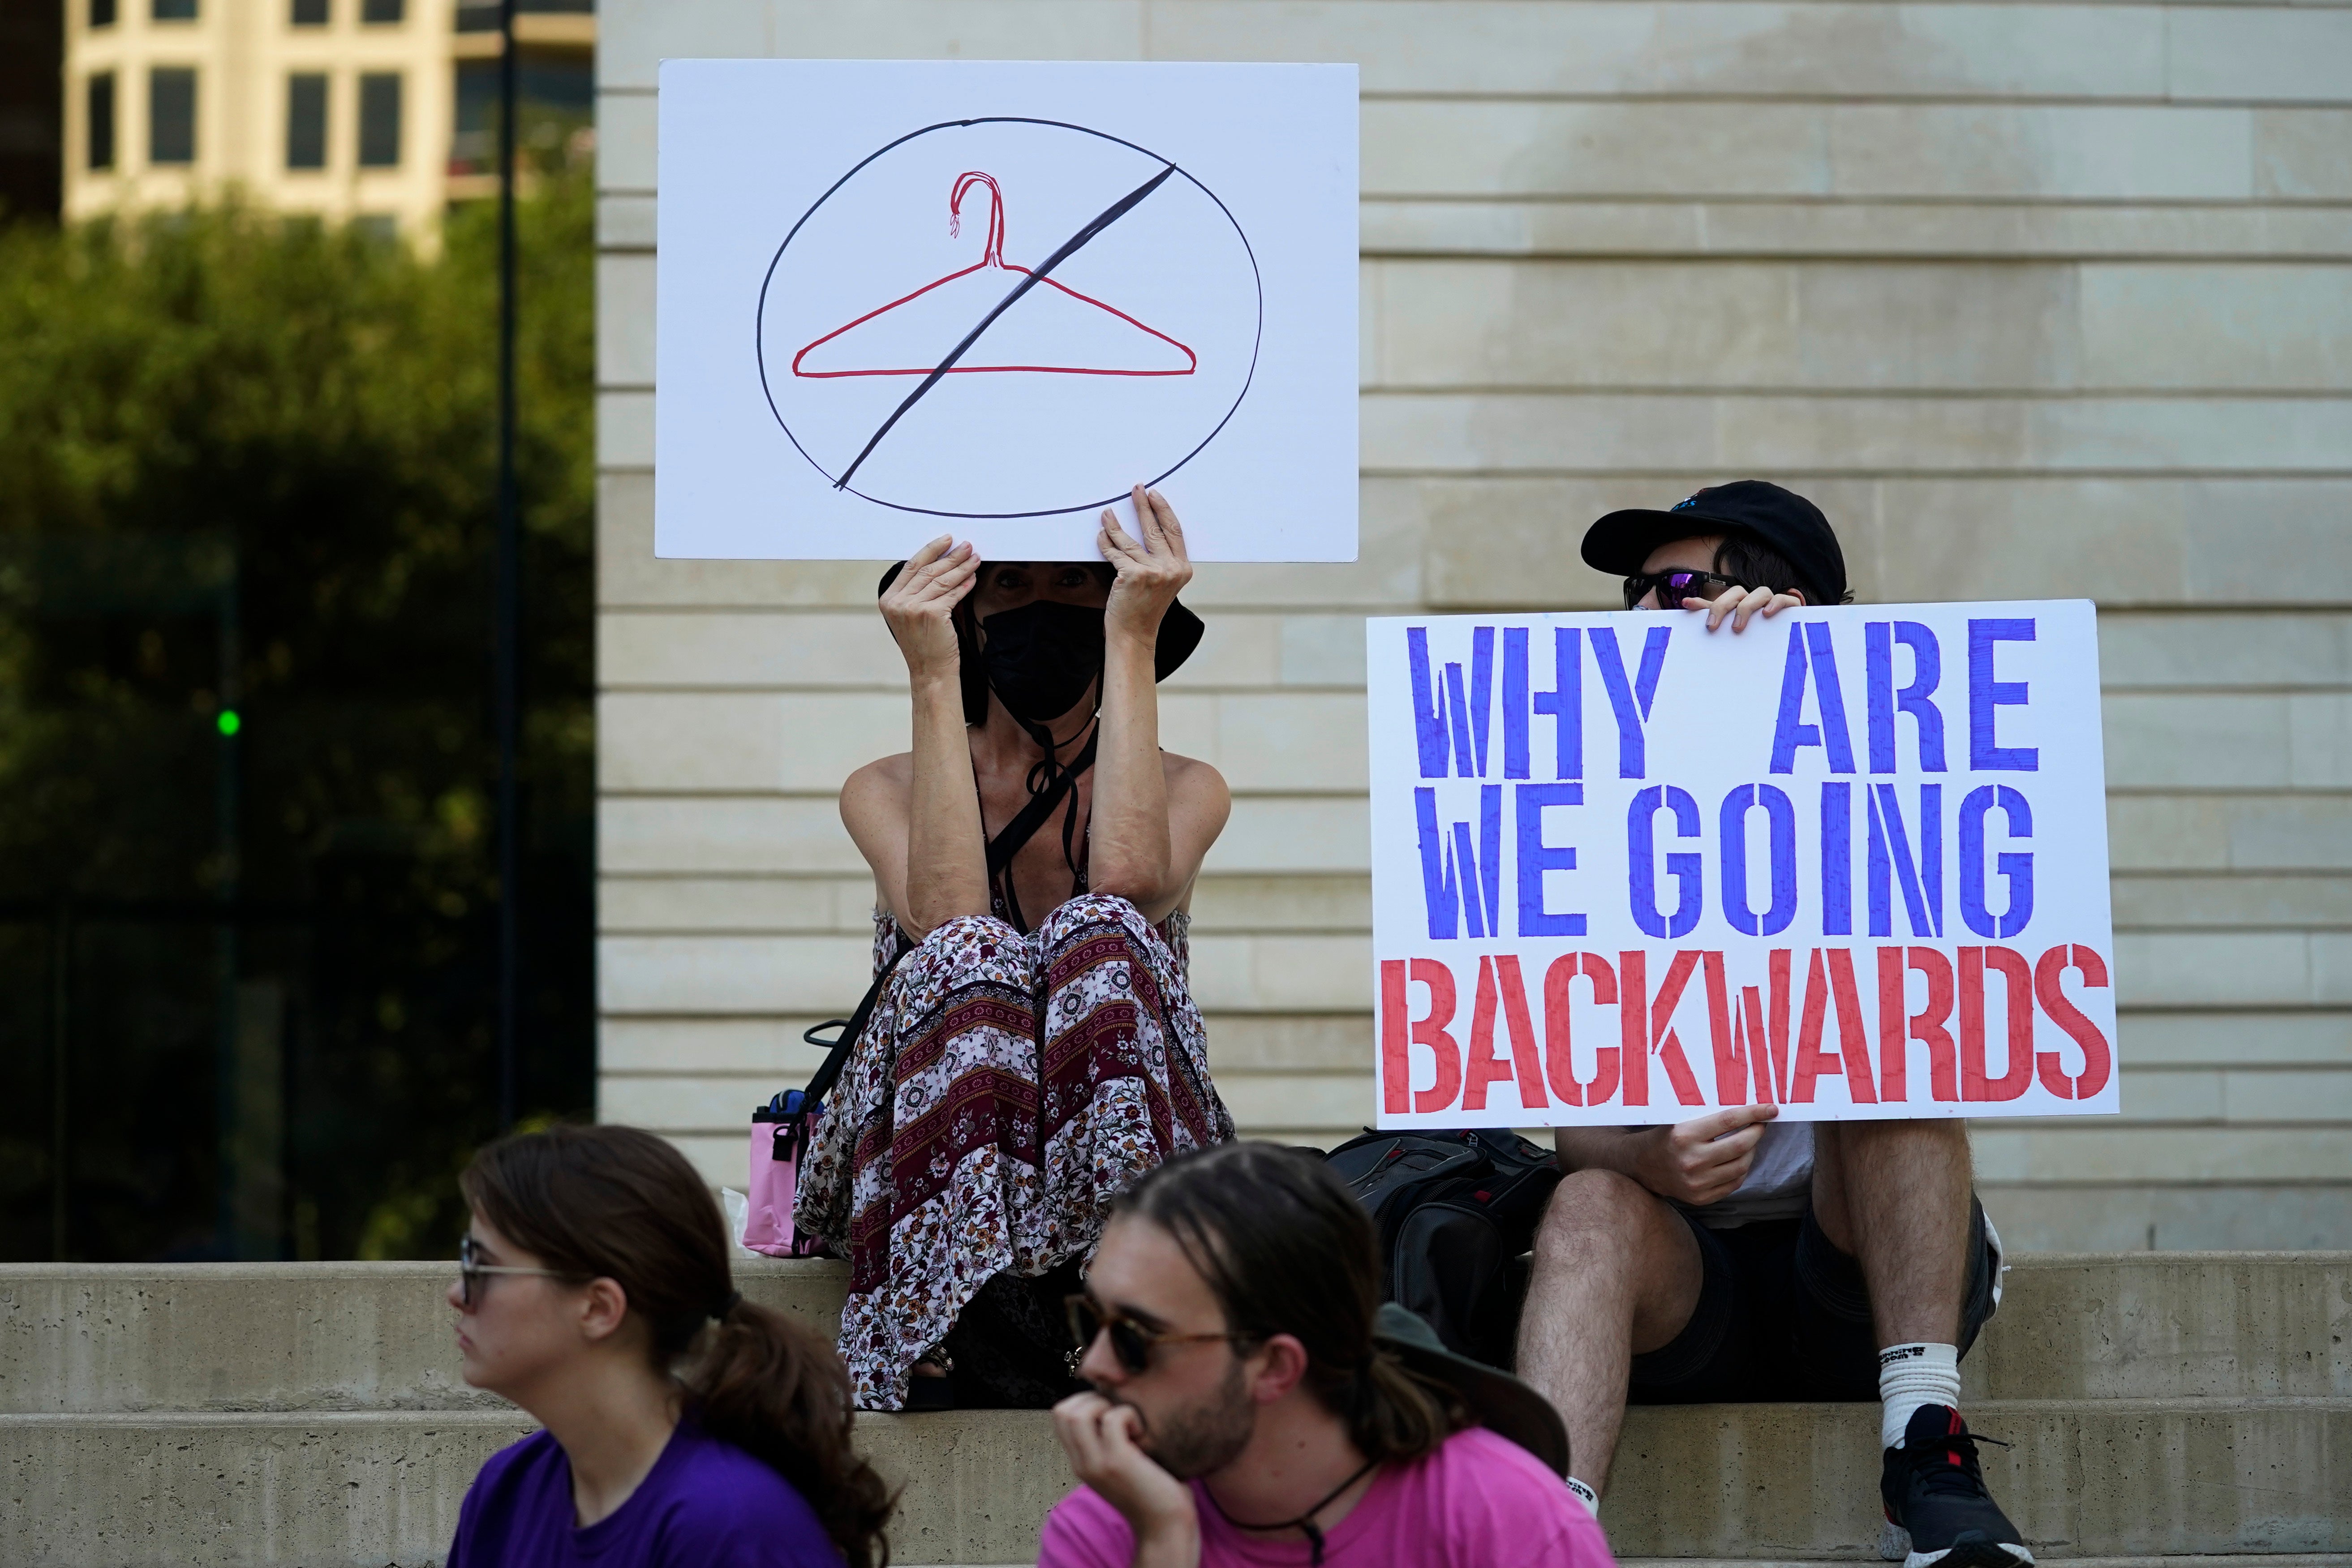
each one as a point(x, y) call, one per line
point(1100, 1440)
point(1701, 1162)
point(920, 605)
point(1151, 571)
point(1741, 603)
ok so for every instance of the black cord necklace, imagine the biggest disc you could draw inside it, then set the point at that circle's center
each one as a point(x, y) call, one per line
point(1305, 1521)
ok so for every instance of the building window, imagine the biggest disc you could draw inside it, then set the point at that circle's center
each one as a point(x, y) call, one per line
point(174, 10)
point(379, 120)
point(101, 120)
point(309, 13)
point(380, 13)
point(101, 13)
point(172, 115)
point(306, 121)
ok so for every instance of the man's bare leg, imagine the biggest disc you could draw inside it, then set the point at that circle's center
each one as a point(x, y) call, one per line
point(1893, 1196)
point(1616, 1275)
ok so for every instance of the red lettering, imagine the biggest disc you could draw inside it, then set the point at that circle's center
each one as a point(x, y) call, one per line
point(1724, 1033)
point(1525, 1055)
point(1928, 1027)
point(1853, 1040)
point(1485, 1066)
point(1396, 1062)
point(2017, 983)
point(2049, 989)
point(1560, 1067)
point(1751, 1006)
point(1431, 1032)
point(1651, 1028)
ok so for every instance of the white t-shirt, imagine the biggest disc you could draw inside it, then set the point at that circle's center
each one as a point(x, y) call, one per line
point(1777, 1186)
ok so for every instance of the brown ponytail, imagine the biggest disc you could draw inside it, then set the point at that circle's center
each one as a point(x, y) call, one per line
point(619, 1202)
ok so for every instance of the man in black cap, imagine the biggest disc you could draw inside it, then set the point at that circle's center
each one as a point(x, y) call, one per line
point(1255, 1403)
point(1733, 1257)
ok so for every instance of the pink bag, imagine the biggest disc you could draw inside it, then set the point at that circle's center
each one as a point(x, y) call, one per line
point(775, 1168)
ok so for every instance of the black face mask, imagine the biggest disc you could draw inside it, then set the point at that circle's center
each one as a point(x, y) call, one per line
point(1041, 657)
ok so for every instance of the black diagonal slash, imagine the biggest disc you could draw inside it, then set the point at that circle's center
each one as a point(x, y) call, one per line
point(1070, 247)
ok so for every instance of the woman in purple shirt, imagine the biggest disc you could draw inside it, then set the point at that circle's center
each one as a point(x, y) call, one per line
point(683, 1426)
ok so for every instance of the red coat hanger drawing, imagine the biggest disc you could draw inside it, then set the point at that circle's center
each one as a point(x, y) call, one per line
point(1064, 331)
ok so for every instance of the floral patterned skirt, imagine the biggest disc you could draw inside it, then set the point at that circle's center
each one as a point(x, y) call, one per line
point(1007, 1087)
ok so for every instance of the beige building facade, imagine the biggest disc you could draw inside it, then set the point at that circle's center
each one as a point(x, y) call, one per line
point(2036, 299)
point(343, 109)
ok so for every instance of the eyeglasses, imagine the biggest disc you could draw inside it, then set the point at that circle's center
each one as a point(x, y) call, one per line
point(470, 1286)
point(1675, 585)
point(1130, 1341)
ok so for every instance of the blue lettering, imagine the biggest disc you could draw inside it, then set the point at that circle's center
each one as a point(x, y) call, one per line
point(1891, 862)
point(1837, 859)
point(1732, 832)
point(1642, 884)
point(1878, 639)
point(1986, 754)
point(1565, 703)
point(2016, 869)
point(1790, 731)
point(1455, 879)
point(1630, 702)
point(1536, 858)
point(1515, 702)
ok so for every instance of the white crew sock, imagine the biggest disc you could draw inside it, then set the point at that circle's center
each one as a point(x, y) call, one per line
point(1585, 1495)
point(1912, 1376)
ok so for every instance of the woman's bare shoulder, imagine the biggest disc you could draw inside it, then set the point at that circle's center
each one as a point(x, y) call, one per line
point(883, 780)
point(1190, 774)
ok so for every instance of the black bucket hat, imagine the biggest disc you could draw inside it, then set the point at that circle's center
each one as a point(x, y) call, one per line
point(1781, 519)
point(1503, 1404)
point(1180, 629)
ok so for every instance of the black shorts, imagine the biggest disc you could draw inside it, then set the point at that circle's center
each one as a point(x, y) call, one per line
point(1782, 1314)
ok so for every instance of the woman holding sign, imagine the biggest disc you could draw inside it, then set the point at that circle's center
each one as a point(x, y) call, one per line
point(1035, 1048)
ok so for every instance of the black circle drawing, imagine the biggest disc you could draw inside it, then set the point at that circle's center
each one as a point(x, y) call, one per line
point(840, 474)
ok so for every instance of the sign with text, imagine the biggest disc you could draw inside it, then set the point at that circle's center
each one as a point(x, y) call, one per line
point(1850, 862)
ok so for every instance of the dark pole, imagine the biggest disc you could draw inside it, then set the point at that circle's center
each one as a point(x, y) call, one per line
point(506, 672)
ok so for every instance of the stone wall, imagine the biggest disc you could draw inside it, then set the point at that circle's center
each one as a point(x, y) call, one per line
point(2036, 299)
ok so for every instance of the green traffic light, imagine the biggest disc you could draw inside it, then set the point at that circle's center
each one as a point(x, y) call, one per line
point(229, 722)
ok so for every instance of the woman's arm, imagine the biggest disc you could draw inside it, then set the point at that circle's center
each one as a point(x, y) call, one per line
point(918, 822)
point(1154, 816)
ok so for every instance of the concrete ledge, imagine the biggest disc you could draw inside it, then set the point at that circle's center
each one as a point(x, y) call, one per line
point(2102, 1479)
point(376, 1336)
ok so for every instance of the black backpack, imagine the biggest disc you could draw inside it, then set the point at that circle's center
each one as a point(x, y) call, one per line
point(1455, 1211)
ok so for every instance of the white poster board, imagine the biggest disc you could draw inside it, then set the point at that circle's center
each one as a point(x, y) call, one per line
point(902, 298)
point(1850, 861)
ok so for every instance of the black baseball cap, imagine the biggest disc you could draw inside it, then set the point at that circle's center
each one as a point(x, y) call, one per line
point(1779, 519)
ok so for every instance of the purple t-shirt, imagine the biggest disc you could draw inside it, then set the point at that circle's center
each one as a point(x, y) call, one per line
point(705, 1504)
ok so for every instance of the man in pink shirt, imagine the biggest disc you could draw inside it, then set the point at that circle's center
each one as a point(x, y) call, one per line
point(1255, 1403)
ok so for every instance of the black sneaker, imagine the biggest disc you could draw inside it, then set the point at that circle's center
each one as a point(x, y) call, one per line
point(1938, 1514)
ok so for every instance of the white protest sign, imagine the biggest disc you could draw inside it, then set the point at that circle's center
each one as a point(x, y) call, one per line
point(1850, 861)
point(902, 298)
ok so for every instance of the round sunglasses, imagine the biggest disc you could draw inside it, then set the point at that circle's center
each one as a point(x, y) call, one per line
point(1673, 585)
point(1132, 1341)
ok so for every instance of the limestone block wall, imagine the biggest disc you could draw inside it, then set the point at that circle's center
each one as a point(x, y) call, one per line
point(2036, 299)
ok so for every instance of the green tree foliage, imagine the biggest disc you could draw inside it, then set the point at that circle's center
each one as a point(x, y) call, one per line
point(248, 461)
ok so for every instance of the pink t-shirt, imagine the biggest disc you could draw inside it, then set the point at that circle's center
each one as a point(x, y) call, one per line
point(1479, 1501)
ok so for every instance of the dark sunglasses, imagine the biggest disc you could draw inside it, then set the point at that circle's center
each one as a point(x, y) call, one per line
point(1131, 1341)
point(471, 1272)
point(1674, 586)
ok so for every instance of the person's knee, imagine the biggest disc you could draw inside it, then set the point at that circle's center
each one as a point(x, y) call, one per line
point(1090, 911)
point(1595, 1215)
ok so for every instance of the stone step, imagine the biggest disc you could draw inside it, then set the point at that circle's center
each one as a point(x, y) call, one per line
point(376, 1336)
point(2096, 1478)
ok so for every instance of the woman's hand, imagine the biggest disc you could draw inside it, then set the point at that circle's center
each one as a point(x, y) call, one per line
point(1150, 571)
point(919, 606)
point(1741, 603)
point(1100, 1440)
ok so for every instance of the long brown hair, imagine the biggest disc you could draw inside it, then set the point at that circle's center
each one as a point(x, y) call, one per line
point(1288, 1249)
point(619, 1202)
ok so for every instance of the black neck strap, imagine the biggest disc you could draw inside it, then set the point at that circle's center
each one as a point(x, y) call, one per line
point(1305, 1521)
